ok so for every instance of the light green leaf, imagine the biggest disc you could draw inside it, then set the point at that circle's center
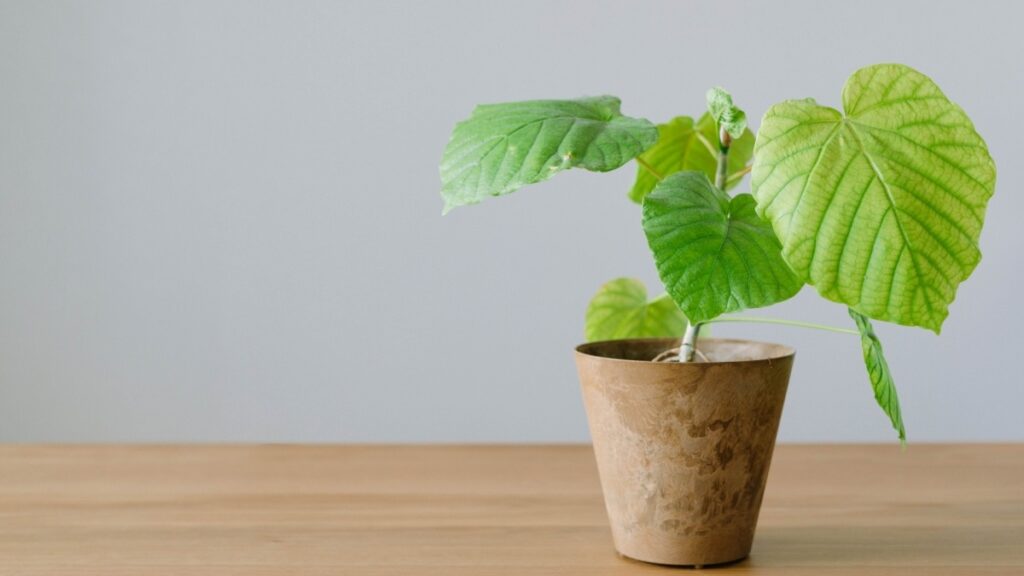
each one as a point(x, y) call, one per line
point(620, 309)
point(503, 147)
point(715, 255)
point(729, 116)
point(878, 372)
point(685, 145)
point(880, 209)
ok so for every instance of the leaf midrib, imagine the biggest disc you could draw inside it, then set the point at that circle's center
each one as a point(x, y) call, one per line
point(896, 214)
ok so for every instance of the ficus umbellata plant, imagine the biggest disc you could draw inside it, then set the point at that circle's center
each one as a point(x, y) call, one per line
point(878, 205)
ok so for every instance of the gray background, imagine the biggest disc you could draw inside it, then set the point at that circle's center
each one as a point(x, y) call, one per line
point(221, 222)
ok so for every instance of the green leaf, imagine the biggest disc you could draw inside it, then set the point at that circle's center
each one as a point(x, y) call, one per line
point(715, 255)
point(880, 209)
point(726, 114)
point(685, 145)
point(503, 147)
point(620, 309)
point(878, 372)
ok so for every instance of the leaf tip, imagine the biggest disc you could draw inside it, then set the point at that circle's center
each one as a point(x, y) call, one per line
point(448, 207)
point(935, 323)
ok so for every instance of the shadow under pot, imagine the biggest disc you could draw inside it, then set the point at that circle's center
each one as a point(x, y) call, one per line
point(683, 449)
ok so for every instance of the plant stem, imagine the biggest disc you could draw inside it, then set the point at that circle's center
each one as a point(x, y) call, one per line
point(722, 174)
point(689, 345)
point(649, 168)
point(760, 320)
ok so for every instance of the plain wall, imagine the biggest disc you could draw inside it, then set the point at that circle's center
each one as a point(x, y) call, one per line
point(220, 221)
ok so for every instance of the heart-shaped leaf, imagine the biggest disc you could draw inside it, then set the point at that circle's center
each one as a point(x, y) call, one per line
point(878, 372)
point(620, 309)
point(880, 208)
point(685, 145)
point(715, 255)
point(503, 147)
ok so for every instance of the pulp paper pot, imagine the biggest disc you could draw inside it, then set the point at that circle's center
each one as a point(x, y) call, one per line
point(683, 449)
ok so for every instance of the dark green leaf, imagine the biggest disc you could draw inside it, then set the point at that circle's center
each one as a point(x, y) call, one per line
point(715, 255)
point(503, 147)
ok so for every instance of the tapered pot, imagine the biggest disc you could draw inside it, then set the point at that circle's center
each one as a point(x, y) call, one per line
point(683, 449)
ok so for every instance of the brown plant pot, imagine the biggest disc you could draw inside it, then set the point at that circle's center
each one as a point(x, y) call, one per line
point(683, 449)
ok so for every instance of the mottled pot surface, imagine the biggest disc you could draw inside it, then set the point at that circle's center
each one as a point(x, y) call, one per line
point(683, 449)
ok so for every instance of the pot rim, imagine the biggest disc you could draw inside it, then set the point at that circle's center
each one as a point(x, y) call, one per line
point(784, 352)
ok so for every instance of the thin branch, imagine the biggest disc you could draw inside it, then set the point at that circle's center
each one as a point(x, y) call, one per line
point(761, 320)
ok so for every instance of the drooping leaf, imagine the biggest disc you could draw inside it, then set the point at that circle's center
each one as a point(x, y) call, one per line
point(880, 208)
point(620, 309)
point(714, 254)
point(879, 374)
point(726, 114)
point(503, 147)
point(685, 145)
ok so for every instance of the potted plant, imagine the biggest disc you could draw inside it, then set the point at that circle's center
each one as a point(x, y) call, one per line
point(879, 206)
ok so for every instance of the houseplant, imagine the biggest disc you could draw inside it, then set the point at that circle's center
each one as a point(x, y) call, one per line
point(878, 206)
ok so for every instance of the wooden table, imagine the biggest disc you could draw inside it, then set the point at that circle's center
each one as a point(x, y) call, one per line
point(482, 510)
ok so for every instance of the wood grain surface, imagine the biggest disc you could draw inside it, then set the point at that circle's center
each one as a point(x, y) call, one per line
point(482, 510)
